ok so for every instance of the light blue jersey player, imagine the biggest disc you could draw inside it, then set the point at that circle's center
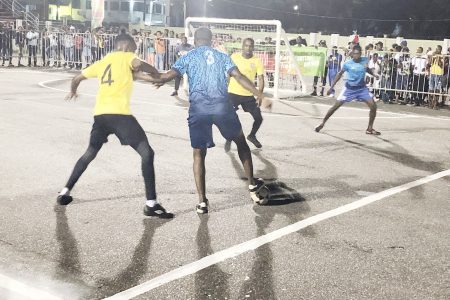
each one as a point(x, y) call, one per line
point(208, 70)
point(354, 89)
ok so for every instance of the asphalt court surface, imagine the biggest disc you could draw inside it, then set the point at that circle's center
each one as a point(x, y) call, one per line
point(101, 245)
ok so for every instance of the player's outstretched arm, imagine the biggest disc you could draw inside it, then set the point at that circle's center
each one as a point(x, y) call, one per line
point(139, 65)
point(74, 86)
point(335, 81)
point(246, 83)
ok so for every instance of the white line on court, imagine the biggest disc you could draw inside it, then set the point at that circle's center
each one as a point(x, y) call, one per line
point(44, 84)
point(24, 290)
point(236, 250)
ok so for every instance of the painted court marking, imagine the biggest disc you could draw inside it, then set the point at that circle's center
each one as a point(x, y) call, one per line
point(25, 290)
point(250, 245)
point(45, 83)
point(400, 115)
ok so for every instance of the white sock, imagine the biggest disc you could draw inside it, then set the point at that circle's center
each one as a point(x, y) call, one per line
point(151, 203)
point(65, 191)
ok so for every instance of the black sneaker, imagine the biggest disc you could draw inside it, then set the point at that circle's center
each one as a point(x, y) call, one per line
point(259, 184)
point(314, 93)
point(255, 142)
point(157, 211)
point(227, 146)
point(64, 199)
point(175, 93)
point(202, 208)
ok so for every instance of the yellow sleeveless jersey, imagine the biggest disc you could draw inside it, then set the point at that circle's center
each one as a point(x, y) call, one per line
point(249, 68)
point(115, 77)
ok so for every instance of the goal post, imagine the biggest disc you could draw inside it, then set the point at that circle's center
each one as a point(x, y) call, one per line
point(283, 78)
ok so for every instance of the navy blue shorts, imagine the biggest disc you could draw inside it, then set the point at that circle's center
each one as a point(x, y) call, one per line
point(361, 94)
point(200, 128)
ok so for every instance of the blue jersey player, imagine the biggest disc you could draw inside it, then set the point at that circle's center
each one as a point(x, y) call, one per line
point(208, 70)
point(354, 89)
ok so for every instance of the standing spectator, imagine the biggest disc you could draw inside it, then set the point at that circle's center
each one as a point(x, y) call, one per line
point(78, 48)
point(375, 66)
point(379, 46)
point(53, 37)
point(87, 47)
point(45, 46)
point(7, 45)
point(20, 42)
point(334, 66)
point(445, 79)
point(160, 46)
point(403, 76)
point(32, 42)
point(69, 47)
point(419, 82)
point(181, 50)
point(150, 45)
point(322, 43)
point(387, 69)
point(436, 62)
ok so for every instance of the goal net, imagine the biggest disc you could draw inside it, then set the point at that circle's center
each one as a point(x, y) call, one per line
point(282, 78)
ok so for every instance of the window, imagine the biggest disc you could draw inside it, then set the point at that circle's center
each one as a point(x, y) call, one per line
point(157, 9)
point(76, 4)
point(125, 6)
point(88, 5)
point(138, 6)
point(114, 6)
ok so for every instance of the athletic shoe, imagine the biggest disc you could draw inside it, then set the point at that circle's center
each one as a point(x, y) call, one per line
point(64, 199)
point(202, 208)
point(314, 93)
point(259, 183)
point(175, 93)
point(227, 146)
point(255, 142)
point(157, 211)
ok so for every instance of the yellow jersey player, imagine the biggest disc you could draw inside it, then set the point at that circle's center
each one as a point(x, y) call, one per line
point(112, 115)
point(250, 66)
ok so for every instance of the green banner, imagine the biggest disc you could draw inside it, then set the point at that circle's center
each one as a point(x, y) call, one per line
point(311, 60)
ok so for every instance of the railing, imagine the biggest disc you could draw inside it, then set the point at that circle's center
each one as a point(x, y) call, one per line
point(19, 11)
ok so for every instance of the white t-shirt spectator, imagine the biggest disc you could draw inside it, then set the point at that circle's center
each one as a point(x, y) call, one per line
point(32, 38)
point(419, 64)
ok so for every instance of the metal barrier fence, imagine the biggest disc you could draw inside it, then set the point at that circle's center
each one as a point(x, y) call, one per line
point(78, 50)
point(413, 78)
point(410, 77)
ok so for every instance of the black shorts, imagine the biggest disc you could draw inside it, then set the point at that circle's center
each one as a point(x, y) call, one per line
point(248, 103)
point(125, 127)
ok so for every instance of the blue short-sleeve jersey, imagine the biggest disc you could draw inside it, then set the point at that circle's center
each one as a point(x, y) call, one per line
point(356, 72)
point(207, 70)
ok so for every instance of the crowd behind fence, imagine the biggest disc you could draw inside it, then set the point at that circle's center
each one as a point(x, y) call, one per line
point(405, 77)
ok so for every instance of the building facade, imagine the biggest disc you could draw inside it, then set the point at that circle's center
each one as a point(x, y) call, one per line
point(148, 12)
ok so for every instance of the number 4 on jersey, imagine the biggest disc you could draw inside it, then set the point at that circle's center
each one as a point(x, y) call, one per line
point(107, 71)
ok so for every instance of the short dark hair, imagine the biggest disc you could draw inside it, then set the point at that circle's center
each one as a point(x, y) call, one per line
point(249, 39)
point(124, 38)
point(357, 47)
point(203, 34)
